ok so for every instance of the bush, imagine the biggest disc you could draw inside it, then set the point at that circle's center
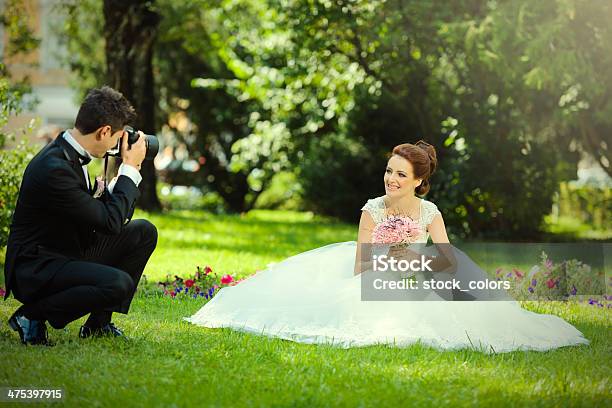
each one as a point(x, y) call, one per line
point(589, 204)
point(338, 175)
point(12, 165)
point(283, 193)
point(12, 162)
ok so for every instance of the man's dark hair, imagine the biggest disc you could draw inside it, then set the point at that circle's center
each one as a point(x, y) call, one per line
point(101, 107)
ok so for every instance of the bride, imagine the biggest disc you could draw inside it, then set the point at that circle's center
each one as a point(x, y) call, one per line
point(318, 296)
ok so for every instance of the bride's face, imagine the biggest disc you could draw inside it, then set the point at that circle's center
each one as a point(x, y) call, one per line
point(399, 180)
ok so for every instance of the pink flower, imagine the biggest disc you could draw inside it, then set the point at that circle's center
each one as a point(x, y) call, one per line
point(189, 283)
point(225, 279)
point(550, 283)
point(173, 293)
point(518, 273)
point(2, 292)
point(207, 270)
point(549, 263)
point(396, 229)
point(99, 187)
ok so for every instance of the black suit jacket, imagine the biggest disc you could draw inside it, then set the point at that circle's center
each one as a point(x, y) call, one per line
point(56, 217)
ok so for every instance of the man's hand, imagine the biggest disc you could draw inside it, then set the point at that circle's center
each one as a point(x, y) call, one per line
point(135, 154)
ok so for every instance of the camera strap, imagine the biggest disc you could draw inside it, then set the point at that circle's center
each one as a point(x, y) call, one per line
point(105, 169)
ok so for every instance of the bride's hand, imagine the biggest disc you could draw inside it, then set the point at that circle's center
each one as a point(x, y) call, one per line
point(399, 252)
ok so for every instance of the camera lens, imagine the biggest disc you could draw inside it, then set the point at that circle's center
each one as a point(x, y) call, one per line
point(152, 147)
point(151, 142)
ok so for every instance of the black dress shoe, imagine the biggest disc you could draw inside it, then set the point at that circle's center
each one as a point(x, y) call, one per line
point(107, 330)
point(30, 331)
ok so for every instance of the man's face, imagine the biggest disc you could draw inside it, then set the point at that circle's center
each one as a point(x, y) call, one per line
point(107, 139)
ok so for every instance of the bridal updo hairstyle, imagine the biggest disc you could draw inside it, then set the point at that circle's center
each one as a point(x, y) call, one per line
point(423, 158)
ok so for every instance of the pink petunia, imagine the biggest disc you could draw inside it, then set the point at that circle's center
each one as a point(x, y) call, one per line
point(207, 270)
point(518, 273)
point(550, 283)
point(226, 279)
point(2, 292)
point(189, 283)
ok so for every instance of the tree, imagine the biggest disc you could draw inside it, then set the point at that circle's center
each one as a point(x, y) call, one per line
point(562, 49)
point(130, 30)
point(326, 88)
point(127, 31)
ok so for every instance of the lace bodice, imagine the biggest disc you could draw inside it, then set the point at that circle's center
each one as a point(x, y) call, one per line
point(377, 209)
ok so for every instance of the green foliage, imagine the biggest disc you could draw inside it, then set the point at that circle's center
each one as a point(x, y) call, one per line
point(18, 40)
point(506, 91)
point(81, 34)
point(559, 48)
point(12, 161)
point(16, 29)
point(589, 204)
point(12, 165)
point(337, 176)
point(184, 198)
point(283, 193)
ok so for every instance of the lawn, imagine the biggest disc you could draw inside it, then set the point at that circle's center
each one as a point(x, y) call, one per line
point(168, 362)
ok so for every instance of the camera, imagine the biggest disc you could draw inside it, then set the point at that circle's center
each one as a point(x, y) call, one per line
point(151, 142)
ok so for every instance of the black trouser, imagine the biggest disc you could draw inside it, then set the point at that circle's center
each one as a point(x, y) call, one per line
point(104, 281)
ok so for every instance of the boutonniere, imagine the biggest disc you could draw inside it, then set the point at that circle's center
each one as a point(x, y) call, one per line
point(99, 187)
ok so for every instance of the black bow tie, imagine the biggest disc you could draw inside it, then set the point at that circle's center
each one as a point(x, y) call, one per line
point(84, 159)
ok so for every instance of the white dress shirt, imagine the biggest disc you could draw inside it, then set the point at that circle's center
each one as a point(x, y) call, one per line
point(124, 169)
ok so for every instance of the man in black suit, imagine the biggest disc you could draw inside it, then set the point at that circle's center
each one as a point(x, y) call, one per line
point(71, 252)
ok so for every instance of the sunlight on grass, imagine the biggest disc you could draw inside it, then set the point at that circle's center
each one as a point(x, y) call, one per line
point(168, 362)
point(238, 245)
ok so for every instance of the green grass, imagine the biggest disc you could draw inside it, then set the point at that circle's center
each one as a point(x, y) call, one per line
point(168, 362)
point(238, 245)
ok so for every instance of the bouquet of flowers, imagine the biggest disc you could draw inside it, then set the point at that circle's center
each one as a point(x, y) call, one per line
point(396, 230)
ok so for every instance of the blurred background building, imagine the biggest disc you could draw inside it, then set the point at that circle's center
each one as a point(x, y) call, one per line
point(55, 104)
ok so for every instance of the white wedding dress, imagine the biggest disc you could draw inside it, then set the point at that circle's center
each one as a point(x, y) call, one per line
point(314, 297)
